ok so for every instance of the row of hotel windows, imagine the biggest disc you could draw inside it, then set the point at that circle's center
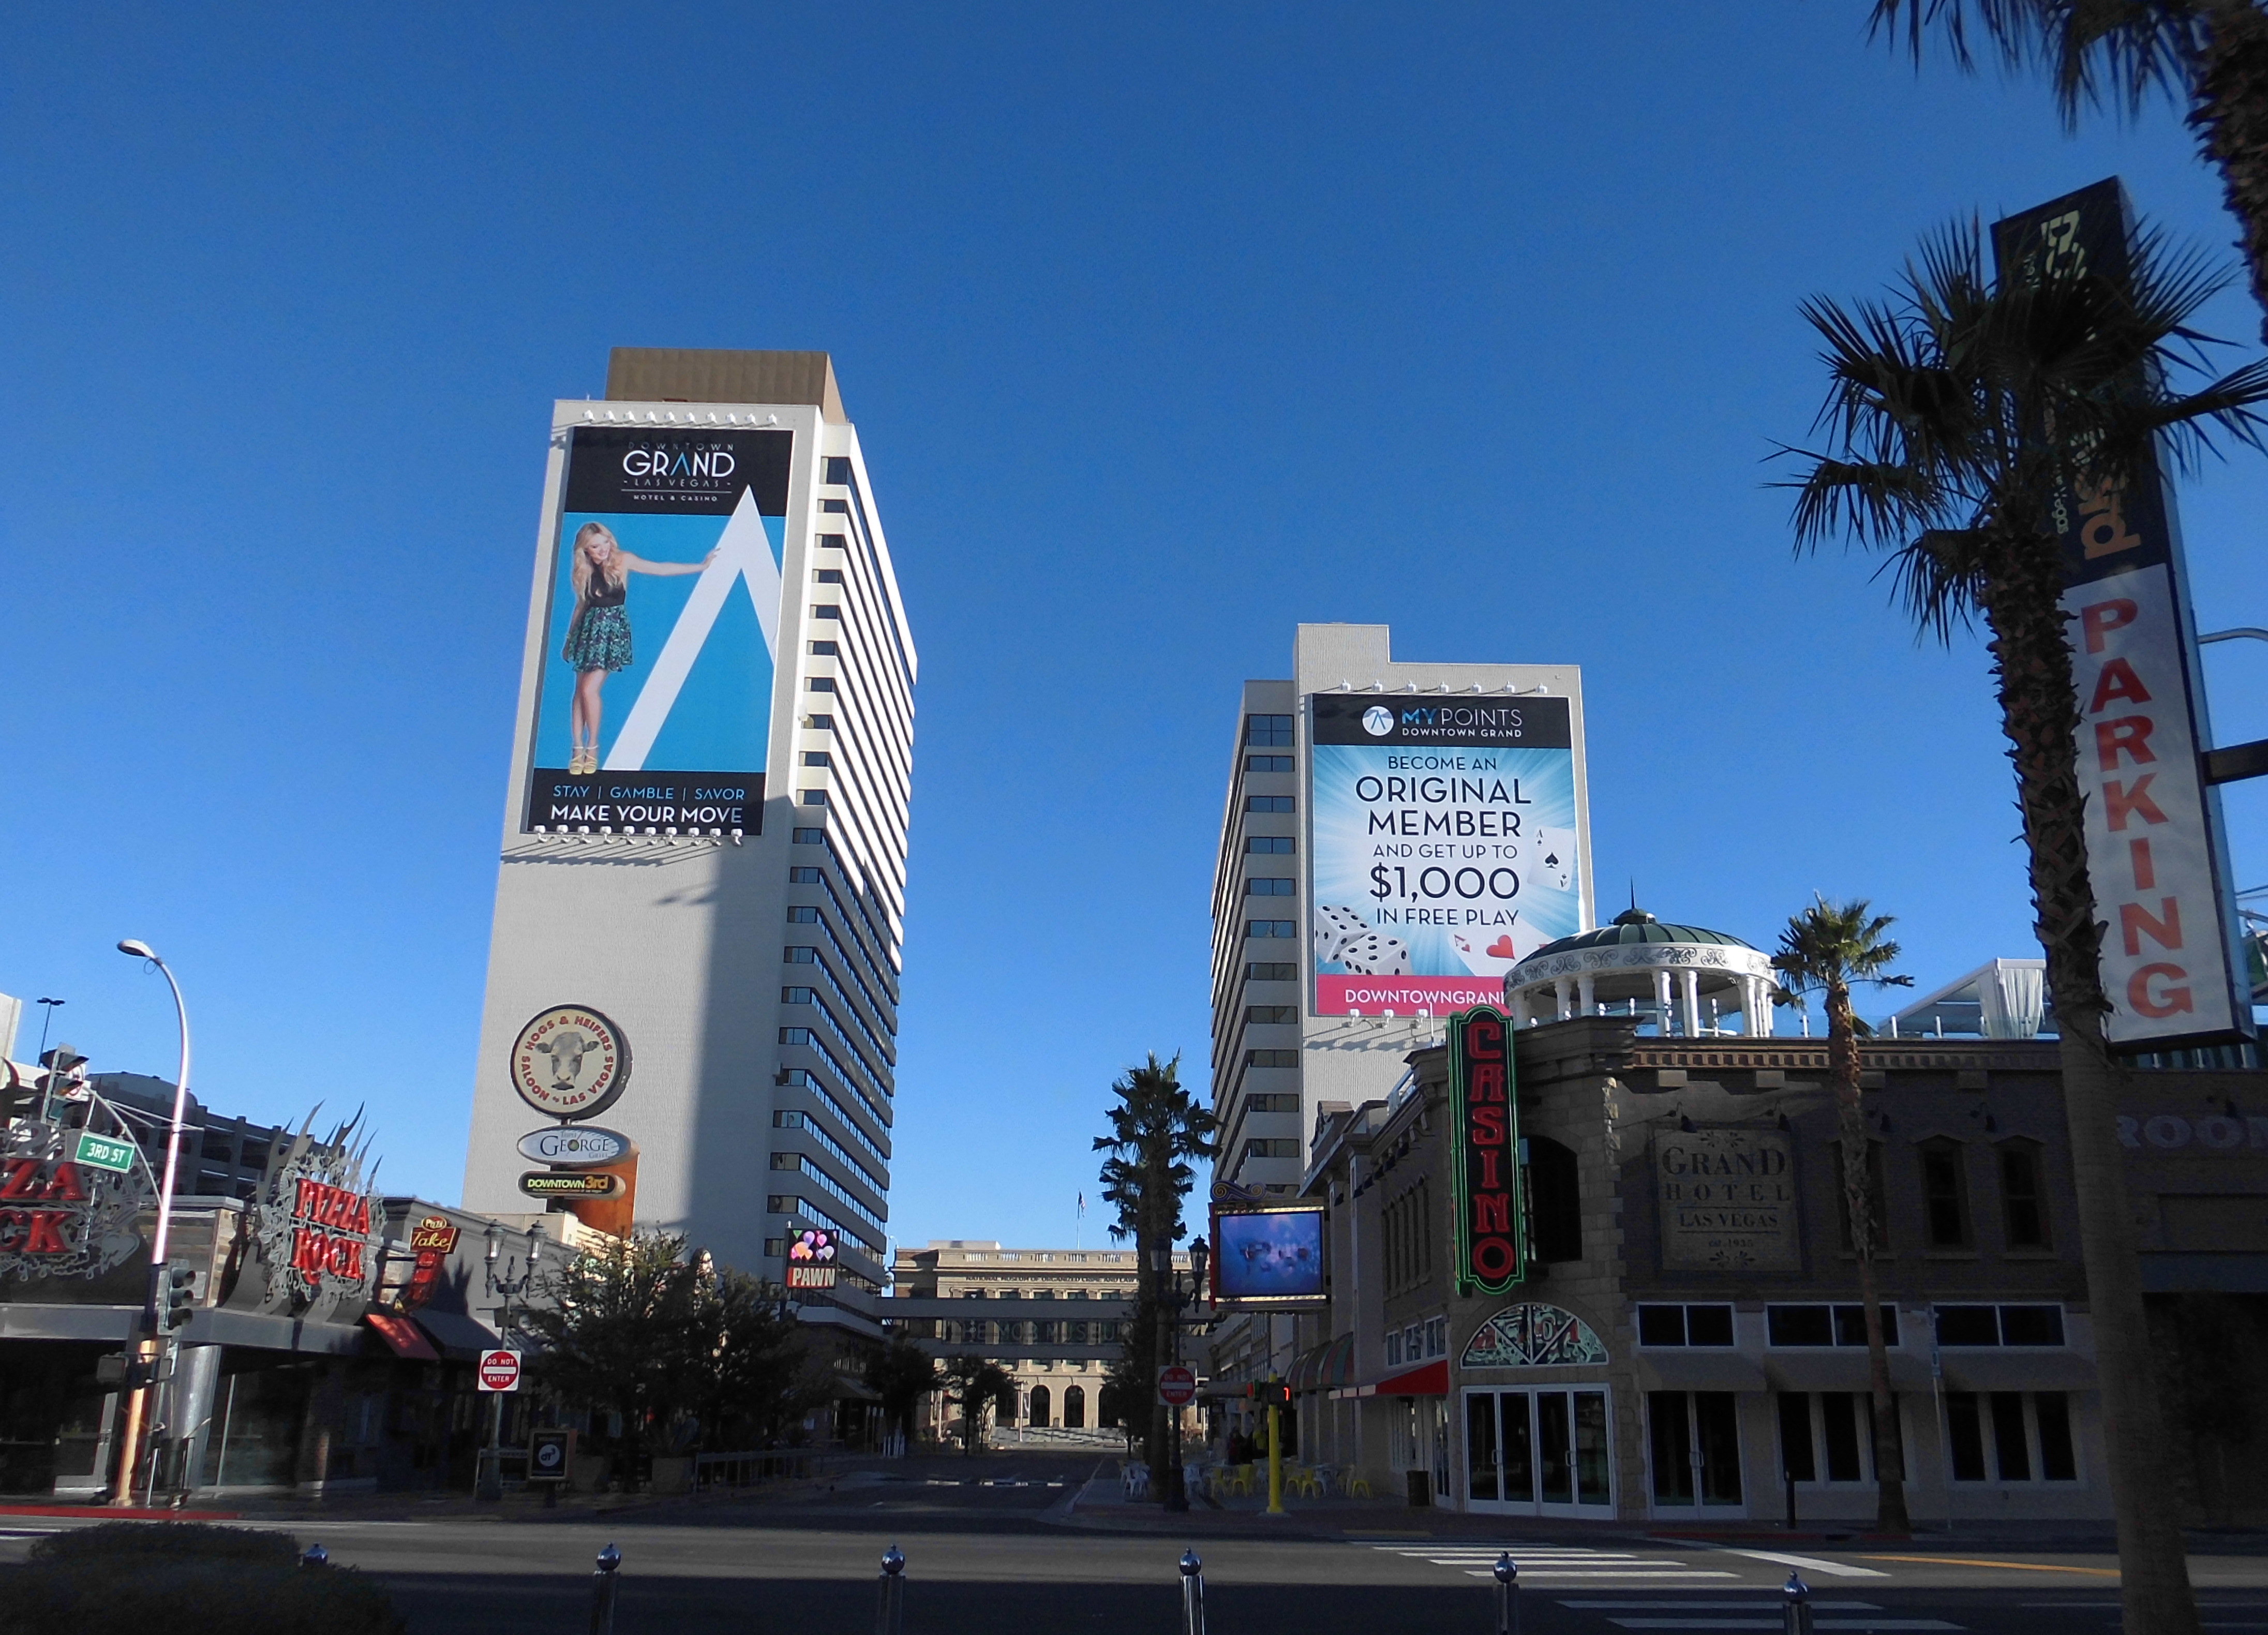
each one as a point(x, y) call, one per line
point(1417, 1342)
point(1270, 845)
point(791, 1118)
point(1271, 971)
point(818, 837)
point(1271, 928)
point(983, 1333)
point(1993, 1436)
point(1267, 763)
point(1268, 730)
point(1271, 886)
point(1945, 1195)
point(1823, 1324)
point(802, 1163)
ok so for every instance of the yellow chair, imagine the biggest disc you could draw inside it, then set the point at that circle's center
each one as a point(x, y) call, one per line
point(1358, 1487)
point(1237, 1479)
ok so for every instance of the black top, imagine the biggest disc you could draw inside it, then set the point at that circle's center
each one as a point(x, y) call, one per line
point(605, 593)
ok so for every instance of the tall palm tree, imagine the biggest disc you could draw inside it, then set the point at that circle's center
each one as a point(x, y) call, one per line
point(1957, 412)
point(1157, 1128)
point(1829, 948)
point(2209, 56)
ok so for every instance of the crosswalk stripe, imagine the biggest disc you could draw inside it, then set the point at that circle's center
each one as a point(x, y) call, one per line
point(1777, 1623)
point(1716, 1604)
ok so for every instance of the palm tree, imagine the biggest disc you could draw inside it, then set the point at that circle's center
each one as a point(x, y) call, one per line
point(2211, 56)
point(1156, 1130)
point(901, 1373)
point(1829, 947)
point(1957, 414)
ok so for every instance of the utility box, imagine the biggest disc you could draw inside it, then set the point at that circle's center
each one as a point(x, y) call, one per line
point(1420, 1484)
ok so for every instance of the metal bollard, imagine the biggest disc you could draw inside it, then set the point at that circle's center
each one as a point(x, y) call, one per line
point(603, 1586)
point(314, 1556)
point(1192, 1593)
point(890, 1616)
point(1797, 1606)
point(1508, 1594)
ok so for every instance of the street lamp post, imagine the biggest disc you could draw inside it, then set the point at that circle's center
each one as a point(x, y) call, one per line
point(1177, 1494)
point(491, 1485)
point(146, 1346)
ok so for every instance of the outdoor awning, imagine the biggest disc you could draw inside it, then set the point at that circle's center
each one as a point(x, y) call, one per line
point(1678, 1369)
point(2018, 1370)
point(456, 1335)
point(404, 1336)
point(1323, 1366)
point(1431, 1380)
point(1840, 1368)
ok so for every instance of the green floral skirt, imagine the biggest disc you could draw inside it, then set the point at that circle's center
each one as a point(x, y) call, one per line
point(600, 640)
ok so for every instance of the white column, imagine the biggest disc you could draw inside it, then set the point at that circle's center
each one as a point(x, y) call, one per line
point(1692, 993)
point(1517, 999)
point(1561, 990)
point(1661, 997)
point(1588, 986)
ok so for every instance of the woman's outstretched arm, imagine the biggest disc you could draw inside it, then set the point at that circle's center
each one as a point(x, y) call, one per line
point(639, 564)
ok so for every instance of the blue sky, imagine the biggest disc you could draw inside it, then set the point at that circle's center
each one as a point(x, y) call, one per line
point(1164, 330)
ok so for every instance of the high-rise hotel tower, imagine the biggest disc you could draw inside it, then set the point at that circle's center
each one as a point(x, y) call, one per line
point(693, 975)
point(1395, 835)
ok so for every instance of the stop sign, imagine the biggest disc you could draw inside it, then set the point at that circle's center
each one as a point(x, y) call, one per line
point(500, 1371)
point(1177, 1387)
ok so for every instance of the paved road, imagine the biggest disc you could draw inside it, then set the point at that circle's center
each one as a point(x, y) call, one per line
point(984, 1555)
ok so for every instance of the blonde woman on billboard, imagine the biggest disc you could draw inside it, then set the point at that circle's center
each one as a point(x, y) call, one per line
point(599, 637)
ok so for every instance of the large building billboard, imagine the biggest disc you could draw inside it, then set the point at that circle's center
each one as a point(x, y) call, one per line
point(1443, 846)
point(2156, 854)
point(655, 704)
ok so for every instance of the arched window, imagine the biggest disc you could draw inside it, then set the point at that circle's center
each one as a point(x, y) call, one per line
point(1555, 1192)
point(1074, 1408)
point(1040, 1406)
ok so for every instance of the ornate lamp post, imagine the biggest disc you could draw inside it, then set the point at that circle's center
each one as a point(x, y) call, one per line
point(504, 1285)
point(1177, 1497)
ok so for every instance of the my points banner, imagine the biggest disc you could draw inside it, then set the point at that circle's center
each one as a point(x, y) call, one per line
point(1441, 847)
point(656, 704)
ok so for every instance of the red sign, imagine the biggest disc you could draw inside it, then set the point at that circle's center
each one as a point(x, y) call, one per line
point(25, 1229)
point(323, 1217)
point(1177, 1387)
point(500, 1371)
point(434, 1238)
point(803, 1275)
point(1491, 1240)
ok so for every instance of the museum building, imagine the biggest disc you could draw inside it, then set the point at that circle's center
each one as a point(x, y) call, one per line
point(1686, 1341)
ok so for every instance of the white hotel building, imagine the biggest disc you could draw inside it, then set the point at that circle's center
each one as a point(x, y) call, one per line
point(753, 973)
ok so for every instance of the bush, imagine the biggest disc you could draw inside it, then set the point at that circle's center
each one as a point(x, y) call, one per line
point(125, 1578)
point(201, 1539)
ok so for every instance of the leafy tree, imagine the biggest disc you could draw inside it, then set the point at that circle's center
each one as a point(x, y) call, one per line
point(901, 1373)
point(1959, 415)
point(1156, 1130)
point(1827, 948)
point(750, 1384)
point(2210, 57)
point(977, 1386)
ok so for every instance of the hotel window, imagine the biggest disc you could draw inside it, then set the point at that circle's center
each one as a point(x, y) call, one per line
point(1268, 1148)
point(801, 956)
point(2010, 1436)
point(809, 837)
point(820, 723)
point(817, 757)
point(1265, 970)
point(814, 797)
point(1270, 845)
point(827, 576)
point(2000, 1325)
point(2024, 1210)
point(1268, 730)
point(803, 914)
point(1825, 1325)
point(1945, 1194)
point(803, 877)
point(1267, 763)
point(1269, 803)
point(1271, 1012)
point(1271, 886)
point(1272, 1058)
point(1271, 1103)
point(1838, 1424)
point(1270, 928)
point(1436, 1337)
point(826, 610)
point(819, 683)
point(1685, 1325)
point(822, 649)
point(797, 996)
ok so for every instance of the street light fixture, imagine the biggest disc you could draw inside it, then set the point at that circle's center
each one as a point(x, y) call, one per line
point(489, 1483)
point(147, 1344)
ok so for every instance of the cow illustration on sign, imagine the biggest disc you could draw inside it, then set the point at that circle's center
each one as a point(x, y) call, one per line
point(599, 638)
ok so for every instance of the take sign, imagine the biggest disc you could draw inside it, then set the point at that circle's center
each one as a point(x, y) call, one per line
point(500, 1371)
point(1177, 1387)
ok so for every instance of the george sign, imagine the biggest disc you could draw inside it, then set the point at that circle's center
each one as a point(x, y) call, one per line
point(106, 1153)
point(1177, 1387)
point(1269, 1256)
point(653, 708)
point(570, 1061)
point(551, 1454)
point(498, 1371)
point(2157, 855)
point(1727, 1200)
point(576, 1146)
point(1445, 842)
point(563, 1184)
point(1492, 1225)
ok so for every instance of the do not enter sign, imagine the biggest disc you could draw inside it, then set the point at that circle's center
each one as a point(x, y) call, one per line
point(1177, 1387)
point(500, 1371)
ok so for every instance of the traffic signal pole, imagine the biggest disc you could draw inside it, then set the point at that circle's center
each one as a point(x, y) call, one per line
point(1276, 1451)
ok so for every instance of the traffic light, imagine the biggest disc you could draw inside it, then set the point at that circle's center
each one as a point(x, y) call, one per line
point(180, 1296)
point(1270, 1393)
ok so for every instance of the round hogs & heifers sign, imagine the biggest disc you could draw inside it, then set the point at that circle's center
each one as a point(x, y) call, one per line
point(570, 1061)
